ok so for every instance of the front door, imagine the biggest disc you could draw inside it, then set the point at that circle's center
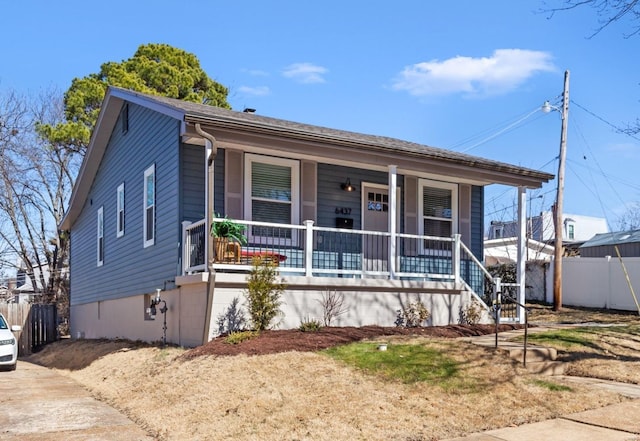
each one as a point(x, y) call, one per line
point(375, 217)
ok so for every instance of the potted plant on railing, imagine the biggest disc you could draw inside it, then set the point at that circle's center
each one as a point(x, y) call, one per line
point(228, 236)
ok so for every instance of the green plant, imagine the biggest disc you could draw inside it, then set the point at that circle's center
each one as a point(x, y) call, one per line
point(310, 325)
point(263, 293)
point(228, 229)
point(413, 315)
point(238, 337)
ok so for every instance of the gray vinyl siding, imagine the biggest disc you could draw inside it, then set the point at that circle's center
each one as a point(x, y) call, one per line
point(193, 182)
point(477, 222)
point(331, 196)
point(218, 179)
point(129, 268)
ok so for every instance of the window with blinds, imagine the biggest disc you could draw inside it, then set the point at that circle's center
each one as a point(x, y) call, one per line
point(148, 214)
point(438, 206)
point(100, 237)
point(120, 210)
point(272, 194)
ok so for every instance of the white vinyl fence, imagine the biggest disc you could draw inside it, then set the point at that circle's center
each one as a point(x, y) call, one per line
point(598, 282)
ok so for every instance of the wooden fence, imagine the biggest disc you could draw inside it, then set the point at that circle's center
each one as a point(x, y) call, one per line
point(39, 324)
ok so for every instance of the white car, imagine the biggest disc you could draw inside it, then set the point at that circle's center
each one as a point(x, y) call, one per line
point(8, 344)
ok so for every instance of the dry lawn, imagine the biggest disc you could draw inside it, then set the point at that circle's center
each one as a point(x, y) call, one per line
point(309, 396)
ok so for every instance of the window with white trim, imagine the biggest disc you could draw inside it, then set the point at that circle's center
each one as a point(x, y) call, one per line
point(120, 210)
point(438, 208)
point(571, 228)
point(272, 195)
point(100, 237)
point(149, 206)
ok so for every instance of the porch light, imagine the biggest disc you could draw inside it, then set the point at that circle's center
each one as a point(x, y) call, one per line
point(346, 186)
point(152, 311)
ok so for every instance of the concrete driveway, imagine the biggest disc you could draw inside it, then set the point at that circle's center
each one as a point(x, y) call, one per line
point(38, 404)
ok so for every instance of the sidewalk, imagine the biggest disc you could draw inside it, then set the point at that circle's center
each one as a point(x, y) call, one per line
point(618, 422)
point(42, 405)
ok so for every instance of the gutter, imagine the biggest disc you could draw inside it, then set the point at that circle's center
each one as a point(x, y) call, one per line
point(211, 151)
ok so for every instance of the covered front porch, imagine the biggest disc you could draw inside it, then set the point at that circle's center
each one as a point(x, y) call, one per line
point(326, 204)
point(309, 255)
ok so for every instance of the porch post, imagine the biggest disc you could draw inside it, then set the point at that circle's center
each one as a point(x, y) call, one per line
point(393, 229)
point(456, 257)
point(308, 248)
point(186, 244)
point(521, 253)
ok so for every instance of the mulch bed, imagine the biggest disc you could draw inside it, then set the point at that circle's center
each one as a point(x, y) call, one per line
point(270, 342)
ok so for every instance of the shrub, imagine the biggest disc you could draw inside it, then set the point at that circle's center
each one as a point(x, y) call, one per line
point(263, 293)
point(332, 306)
point(471, 314)
point(413, 315)
point(310, 325)
point(238, 337)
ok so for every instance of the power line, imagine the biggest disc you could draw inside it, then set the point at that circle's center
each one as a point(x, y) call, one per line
point(616, 128)
point(498, 132)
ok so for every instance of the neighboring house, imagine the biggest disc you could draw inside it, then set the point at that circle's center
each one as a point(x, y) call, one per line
point(25, 290)
point(576, 229)
point(505, 250)
point(605, 244)
point(378, 220)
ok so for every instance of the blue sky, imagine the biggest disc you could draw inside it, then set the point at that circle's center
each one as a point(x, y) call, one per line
point(464, 75)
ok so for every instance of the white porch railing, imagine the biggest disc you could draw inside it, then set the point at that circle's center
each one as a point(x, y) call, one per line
point(194, 235)
point(315, 251)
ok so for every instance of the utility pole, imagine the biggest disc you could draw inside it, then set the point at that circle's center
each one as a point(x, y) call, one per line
point(557, 264)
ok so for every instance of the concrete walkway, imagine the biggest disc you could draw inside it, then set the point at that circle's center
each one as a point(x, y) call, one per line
point(39, 404)
point(618, 422)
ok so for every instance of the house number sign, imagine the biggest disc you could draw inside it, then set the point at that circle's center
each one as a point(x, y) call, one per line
point(343, 210)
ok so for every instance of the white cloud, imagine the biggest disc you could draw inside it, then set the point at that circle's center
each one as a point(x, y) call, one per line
point(504, 71)
point(254, 91)
point(306, 73)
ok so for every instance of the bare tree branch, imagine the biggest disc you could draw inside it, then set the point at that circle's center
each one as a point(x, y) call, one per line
point(608, 12)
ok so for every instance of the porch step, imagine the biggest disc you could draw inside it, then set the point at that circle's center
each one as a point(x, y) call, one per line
point(546, 367)
point(534, 353)
point(540, 360)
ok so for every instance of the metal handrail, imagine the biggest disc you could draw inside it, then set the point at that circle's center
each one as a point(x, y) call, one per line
point(497, 307)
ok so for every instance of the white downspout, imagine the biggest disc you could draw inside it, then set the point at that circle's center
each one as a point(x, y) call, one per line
point(211, 151)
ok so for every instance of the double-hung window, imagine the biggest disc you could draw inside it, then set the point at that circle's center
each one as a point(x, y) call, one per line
point(438, 209)
point(100, 237)
point(571, 230)
point(272, 195)
point(120, 210)
point(149, 205)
